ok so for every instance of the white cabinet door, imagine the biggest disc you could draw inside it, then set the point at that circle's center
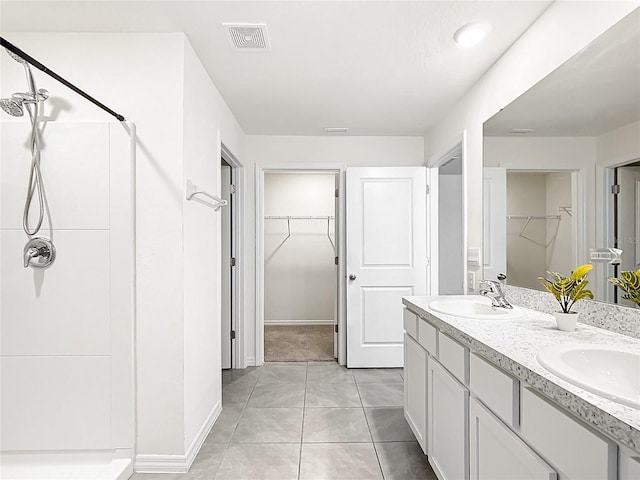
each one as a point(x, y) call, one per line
point(415, 389)
point(496, 453)
point(447, 424)
point(628, 464)
point(386, 259)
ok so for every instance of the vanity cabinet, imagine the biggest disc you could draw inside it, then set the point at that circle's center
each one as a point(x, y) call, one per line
point(496, 453)
point(415, 389)
point(476, 421)
point(448, 423)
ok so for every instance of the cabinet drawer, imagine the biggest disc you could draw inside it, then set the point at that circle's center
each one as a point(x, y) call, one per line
point(575, 451)
point(497, 390)
point(628, 465)
point(454, 357)
point(410, 323)
point(428, 337)
point(497, 453)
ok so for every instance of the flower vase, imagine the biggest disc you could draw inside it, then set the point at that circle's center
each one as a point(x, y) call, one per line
point(566, 321)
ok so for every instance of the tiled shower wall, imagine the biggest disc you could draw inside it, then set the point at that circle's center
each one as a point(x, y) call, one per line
point(66, 331)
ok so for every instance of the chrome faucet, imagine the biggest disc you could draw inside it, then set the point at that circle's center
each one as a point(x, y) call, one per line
point(493, 290)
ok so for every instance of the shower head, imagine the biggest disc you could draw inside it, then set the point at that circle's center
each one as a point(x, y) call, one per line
point(13, 106)
point(17, 58)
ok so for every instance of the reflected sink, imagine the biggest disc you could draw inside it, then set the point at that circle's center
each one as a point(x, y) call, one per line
point(603, 370)
point(473, 306)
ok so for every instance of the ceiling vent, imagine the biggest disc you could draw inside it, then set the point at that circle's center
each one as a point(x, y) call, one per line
point(336, 131)
point(248, 36)
point(521, 131)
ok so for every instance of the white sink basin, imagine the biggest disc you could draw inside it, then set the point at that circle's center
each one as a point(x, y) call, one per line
point(473, 306)
point(603, 370)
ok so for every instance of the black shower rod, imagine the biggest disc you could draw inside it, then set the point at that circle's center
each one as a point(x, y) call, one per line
point(29, 59)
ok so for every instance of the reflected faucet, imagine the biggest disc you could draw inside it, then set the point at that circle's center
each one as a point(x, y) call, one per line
point(493, 290)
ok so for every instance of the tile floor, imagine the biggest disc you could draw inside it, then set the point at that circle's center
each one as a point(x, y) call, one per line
point(309, 420)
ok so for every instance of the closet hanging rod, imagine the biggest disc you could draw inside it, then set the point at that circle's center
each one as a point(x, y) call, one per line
point(534, 217)
point(192, 190)
point(296, 217)
point(29, 59)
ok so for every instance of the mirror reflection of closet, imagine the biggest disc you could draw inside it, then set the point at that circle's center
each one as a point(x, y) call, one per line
point(582, 120)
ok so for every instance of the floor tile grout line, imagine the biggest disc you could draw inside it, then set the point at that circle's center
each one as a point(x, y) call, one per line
point(375, 450)
point(304, 409)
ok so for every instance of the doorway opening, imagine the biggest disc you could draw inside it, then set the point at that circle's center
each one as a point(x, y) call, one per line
point(451, 225)
point(230, 261)
point(300, 265)
point(541, 225)
point(623, 227)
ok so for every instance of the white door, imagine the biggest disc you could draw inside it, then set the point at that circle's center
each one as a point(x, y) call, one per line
point(386, 218)
point(225, 263)
point(494, 192)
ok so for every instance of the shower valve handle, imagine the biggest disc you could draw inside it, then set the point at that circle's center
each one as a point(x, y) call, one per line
point(39, 252)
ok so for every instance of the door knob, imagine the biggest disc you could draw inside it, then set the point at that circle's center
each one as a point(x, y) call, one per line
point(352, 277)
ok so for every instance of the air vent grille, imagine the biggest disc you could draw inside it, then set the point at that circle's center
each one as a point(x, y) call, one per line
point(248, 36)
point(521, 131)
point(336, 130)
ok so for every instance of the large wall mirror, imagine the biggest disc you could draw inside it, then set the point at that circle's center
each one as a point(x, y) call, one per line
point(562, 169)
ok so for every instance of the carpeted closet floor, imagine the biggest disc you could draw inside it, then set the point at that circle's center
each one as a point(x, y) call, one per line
point(293, 343)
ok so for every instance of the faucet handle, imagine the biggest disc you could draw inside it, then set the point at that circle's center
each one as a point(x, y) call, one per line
point(39, 252)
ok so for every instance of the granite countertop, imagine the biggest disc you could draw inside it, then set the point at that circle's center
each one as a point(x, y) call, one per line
point(513, 344)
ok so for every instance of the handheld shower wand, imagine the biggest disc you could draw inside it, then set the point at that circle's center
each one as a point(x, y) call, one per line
point(15, 106)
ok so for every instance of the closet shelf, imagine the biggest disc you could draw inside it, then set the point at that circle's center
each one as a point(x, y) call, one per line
point(288, 218)
point(296, 217)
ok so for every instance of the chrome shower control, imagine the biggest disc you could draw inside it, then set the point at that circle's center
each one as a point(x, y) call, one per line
point(39, 252)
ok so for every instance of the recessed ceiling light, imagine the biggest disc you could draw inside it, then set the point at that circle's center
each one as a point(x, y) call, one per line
point(471, 33)
point(336, 130)
point(521, 131)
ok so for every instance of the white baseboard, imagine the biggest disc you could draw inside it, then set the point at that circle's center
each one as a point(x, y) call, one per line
point(178, 463)
point(251, 361)
point(299, 322)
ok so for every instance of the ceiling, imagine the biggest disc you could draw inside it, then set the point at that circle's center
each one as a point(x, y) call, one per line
point(376, 67)
point(596, 91)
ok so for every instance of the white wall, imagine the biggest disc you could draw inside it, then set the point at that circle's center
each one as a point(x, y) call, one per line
point(450, 236)
point(155, 80)
point(560, 32)
point(299, 273)
point(619, 146)
point(297, 151)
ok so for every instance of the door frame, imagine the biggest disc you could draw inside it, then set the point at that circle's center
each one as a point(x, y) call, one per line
point(338, 169)
point(238, 359)
point(433, 165)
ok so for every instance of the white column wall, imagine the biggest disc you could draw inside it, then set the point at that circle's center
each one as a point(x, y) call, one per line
point(561, 31)
point(155, 80)
point(206, 122)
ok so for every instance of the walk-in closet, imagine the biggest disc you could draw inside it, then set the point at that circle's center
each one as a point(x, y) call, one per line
point(300, 272)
